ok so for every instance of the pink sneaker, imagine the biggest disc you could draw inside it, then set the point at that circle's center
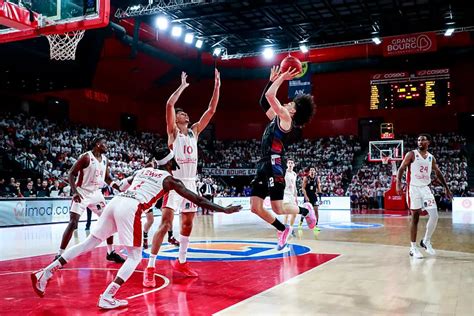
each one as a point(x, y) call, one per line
point(311, 217)
point(149, 277)
point(283, 237)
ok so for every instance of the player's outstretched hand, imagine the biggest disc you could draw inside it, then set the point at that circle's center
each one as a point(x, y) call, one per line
point(290, 73)
point(217, 78)
point(184, 83)
point(274, 73)
point(232, 209)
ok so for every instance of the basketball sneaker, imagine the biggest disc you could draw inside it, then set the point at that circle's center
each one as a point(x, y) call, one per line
point(415, 253)
point(149, 277)
point(173, 241)
point(428, 247)
point(113, 256)
point(111, 302)
point(39, 281)
point(311, 217)
point(183, 268)
point(283, 237)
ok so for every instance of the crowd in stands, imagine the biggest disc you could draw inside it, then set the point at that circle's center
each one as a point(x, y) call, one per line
point(51, 148)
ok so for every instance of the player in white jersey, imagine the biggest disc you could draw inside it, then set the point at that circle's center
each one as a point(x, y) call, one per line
point(183, 141)
point(123, 216)
point(92, 172)
point(420, 164)
point(290, 195)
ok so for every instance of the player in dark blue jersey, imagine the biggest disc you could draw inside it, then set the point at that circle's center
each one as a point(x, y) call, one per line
point(270, 178)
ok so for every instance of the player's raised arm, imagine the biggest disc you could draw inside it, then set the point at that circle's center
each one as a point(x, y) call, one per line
point(206, 117)
point(271, 95)
point(274, 73)
point(170, 111)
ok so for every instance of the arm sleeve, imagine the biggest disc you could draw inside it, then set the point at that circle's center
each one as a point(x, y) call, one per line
point(263, 100)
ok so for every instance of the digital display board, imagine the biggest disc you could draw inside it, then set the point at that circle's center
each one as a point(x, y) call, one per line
point(429, 93)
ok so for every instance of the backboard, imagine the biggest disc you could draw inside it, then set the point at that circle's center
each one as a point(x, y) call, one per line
point(24, 19)
point(386, 149)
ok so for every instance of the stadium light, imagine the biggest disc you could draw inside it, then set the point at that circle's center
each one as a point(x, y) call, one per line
point(376, 40)
point(268, 53)
point(188, 38)
point(449, 32)
point(162, 23)
point(304, 48)
point(176, 31)
point(199, 43)
point(217, 51)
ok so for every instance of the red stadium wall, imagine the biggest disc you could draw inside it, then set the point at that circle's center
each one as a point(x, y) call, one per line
point(342, 99)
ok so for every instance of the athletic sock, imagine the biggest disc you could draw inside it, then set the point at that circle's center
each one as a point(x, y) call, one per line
point(183, 248)
point(303, 211)
point(413, 244)
point(278, 225)
point(111, 290)
point(110, 249)
point(151, 261)
point(170, 234)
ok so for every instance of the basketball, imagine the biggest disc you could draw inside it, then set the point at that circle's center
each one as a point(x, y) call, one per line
point(291, 62)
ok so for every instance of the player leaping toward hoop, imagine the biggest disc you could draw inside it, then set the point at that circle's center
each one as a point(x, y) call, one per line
point(420, 164)
point(270, 178)
point(183, 141)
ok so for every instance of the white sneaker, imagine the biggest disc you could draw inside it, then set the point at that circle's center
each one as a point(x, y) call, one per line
point(39, 281)
point(415, 253)
point(428, 247)
point(111, 302)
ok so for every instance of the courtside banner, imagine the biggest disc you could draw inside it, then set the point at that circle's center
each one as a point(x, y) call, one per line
point(19, 212)
point(327, 202)
point(409, 44)
point(463, 210)
point(228, 172)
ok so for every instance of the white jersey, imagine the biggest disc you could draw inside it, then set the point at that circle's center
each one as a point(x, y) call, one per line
point(186, 154)
point(419, 172)
point(92, 178)
point(147, 186)
point(290, 183)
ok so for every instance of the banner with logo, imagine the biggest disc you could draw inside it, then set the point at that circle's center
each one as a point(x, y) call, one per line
point(300, 84)
point(228, 172)
point(463, 210)
point(36, 211)
point(409, 44)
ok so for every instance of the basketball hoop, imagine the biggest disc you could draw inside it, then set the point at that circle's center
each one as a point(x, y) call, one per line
point(385, 160)
point(64, 46)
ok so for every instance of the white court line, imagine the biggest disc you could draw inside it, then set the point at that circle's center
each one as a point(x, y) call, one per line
point(165, 284)
point(267, 290)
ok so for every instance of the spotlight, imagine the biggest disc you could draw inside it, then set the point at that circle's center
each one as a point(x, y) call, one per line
point(268, 53)
point(161, 22)
point(449, 32)
point(199, 43)
point(304, 48)
point(188, 38)
point(376, 40)
point(217, 51)
point(176, 31)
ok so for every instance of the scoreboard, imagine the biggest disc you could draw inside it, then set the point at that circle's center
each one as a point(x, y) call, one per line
point(410, 92)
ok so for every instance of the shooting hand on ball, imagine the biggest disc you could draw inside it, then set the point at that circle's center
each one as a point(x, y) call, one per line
point(289, 74)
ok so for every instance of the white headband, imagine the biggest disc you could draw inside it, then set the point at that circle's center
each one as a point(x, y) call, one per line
point(168, 157)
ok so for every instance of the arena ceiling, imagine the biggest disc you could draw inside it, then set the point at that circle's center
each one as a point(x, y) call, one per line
point(241, 27)
point(247, 26)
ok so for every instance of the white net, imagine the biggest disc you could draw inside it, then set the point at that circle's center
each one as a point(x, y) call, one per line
point(64, 46)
